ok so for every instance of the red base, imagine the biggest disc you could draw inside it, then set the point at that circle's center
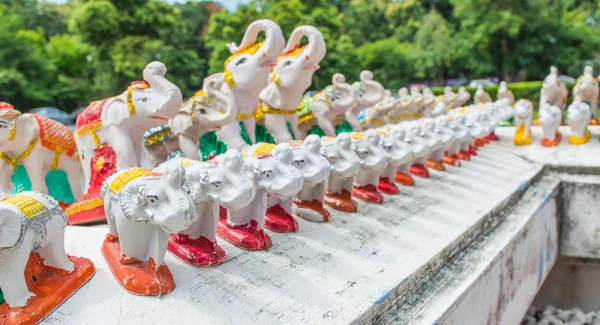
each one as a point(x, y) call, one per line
point(196, 252)
point(472, 151)
point(549, 143)
point(244, 236)
point(135, 276)
point(314, 206)
point(278, 220)
point(340, 201)
point(419, 170)
point(463, 155)
point(493, 137)
point(87, 210)
point(368, 193)
point(434, 164)
point(387, 187)
point(51, 288)
point(404, 179)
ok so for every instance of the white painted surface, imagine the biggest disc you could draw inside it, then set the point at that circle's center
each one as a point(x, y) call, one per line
point(332, 273)
point(580, 225)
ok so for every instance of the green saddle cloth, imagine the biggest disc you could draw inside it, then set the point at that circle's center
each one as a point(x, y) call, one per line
point(1, 297)
point(56, 180)
point(209, 143)
point(343, 128)
point(262, 135)
point(508, 122)
point(316, 130)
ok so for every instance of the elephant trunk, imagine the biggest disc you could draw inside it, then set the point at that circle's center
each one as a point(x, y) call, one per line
point(374, 90)
point(346, 91)
point(172, 93)
point(273, 44)
point(212, 86)
point(314, 51)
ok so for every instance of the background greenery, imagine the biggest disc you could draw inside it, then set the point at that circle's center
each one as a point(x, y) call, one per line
point(68, 55)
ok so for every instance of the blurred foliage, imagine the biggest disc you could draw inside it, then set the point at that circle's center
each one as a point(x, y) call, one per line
point(70, 54)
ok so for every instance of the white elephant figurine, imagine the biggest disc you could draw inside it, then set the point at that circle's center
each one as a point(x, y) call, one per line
point(344, 167)
point(449, 98)
point(205, 112)
point(142, 209)
point(586, 90)
point(459, 125)
point(370, 92)
point(462, 97)
point(374, 117)
point(550, 118)
point(436, 143)
point(554, 91)
point(308, 202)
point(109, 134)
point(578, 116)
point(421, 149)
point(477, 130)
point(505, 93)
point(450, 144)
point(429, 102)
point(401, 154)
point(523, 115)
point(271, 168)
point(290, 78)
point(219, 182)
point(404, 109)
point(34, 148)
point(373, 159)
point(439, 108)
point(481, 96)
point(327, 109)
point(419, 100)
point(246, 75)
point(36, 274)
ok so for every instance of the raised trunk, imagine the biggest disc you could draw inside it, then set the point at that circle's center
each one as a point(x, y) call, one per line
point(172, 93)
point(374, 90)
point(274, 41)
point(346, 91)
point(314, 51)
point(212, 86)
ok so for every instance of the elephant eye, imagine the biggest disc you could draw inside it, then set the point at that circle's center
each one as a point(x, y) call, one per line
point(266, 173)
point(144, 99)
point(216, 184)
point(202, 111)
point(241, 61)
point(186, 189)
point(153, 198)
point(287, 63)
point(299, 162)
point(332, 158)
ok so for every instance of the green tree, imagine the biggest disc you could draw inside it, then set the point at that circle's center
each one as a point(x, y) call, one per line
point(389, 60)
point(433, 47)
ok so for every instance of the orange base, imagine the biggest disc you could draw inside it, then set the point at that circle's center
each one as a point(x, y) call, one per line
point(340, 201)
point(549, 143)
point(594, 121)
point(463, 155)
point(404, 179)
point(452, 161)
point(437, 165)
point(135, 276)
point(314, 205)
point(51, 288)
point(537, 122)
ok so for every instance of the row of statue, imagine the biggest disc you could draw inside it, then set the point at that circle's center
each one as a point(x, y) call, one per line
point(269, 155)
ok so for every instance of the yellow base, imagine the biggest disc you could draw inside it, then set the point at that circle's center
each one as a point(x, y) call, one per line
point(522, 137)
point(577, 140)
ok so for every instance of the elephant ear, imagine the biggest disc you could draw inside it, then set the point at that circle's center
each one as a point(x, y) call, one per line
point(10, 227)
point(319, 105)
point(133, 200)
point(175, 175)
point(271, 95)
point(232, 160)
point(180, 123)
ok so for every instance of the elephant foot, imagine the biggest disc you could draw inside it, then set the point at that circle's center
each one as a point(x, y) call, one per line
point(472, 151)
point(463, 155)
point(311, 210)
point(434, 164)
point(196, 252)
point(594, 121)
point(89, 209)
point(246, 236)
point(522, 140)
point(340, 201)
point(575, 140)
point(367, 193)
point(552, 143)
point(142, 278)
point(451, 160)
point(51, 288)
point(404, 179)
point(492, 136)
point(480, 142)
point(278, 220)
point(386, 186)
point(419, 170)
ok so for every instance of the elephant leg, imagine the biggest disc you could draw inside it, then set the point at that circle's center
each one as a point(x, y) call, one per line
point(189, 148)
point(121, 143)
point(277, 127)
point(74, 173)
point(53, 250)
point(209, 221)
point(250, 125)
point(6, 184)
point(134, 237)
point(352, 119)
point(36, 170)
point(12, 277)
point(326, 126)
point(230, 134)
point(110, 219)
point(298, 134)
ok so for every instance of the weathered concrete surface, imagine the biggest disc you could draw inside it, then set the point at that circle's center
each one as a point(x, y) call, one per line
point(353, 269)
point(496, 278)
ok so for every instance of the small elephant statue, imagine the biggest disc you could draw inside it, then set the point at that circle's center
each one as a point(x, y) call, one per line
point(374, 117)
point(271, 168)
point(109, 135)
point(554, 91)
point(449, 98)
point(505, 93)
point(290, 78)
point(369, 93)
point(323, 113)
point(344, 166)
point(373, 159)
point(523, 116)
point(463, 135)
point(578, 117)
point(550, 118)
point(36, 271)
point(429, 103)
point(246, 75)
point(218, 182)
point(586, 90)
point(449, 139)
point(143, 208)
point(205, 112)
point(481, 96)
point(436, 145)
point(39, 154)
point(462, 97)
point(404, 109)
point(421, 149)
point(401, 154)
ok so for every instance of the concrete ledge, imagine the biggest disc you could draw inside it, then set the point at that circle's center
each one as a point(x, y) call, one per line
point(353, 269)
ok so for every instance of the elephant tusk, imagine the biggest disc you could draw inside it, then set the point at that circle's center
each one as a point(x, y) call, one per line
point(314, 67)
